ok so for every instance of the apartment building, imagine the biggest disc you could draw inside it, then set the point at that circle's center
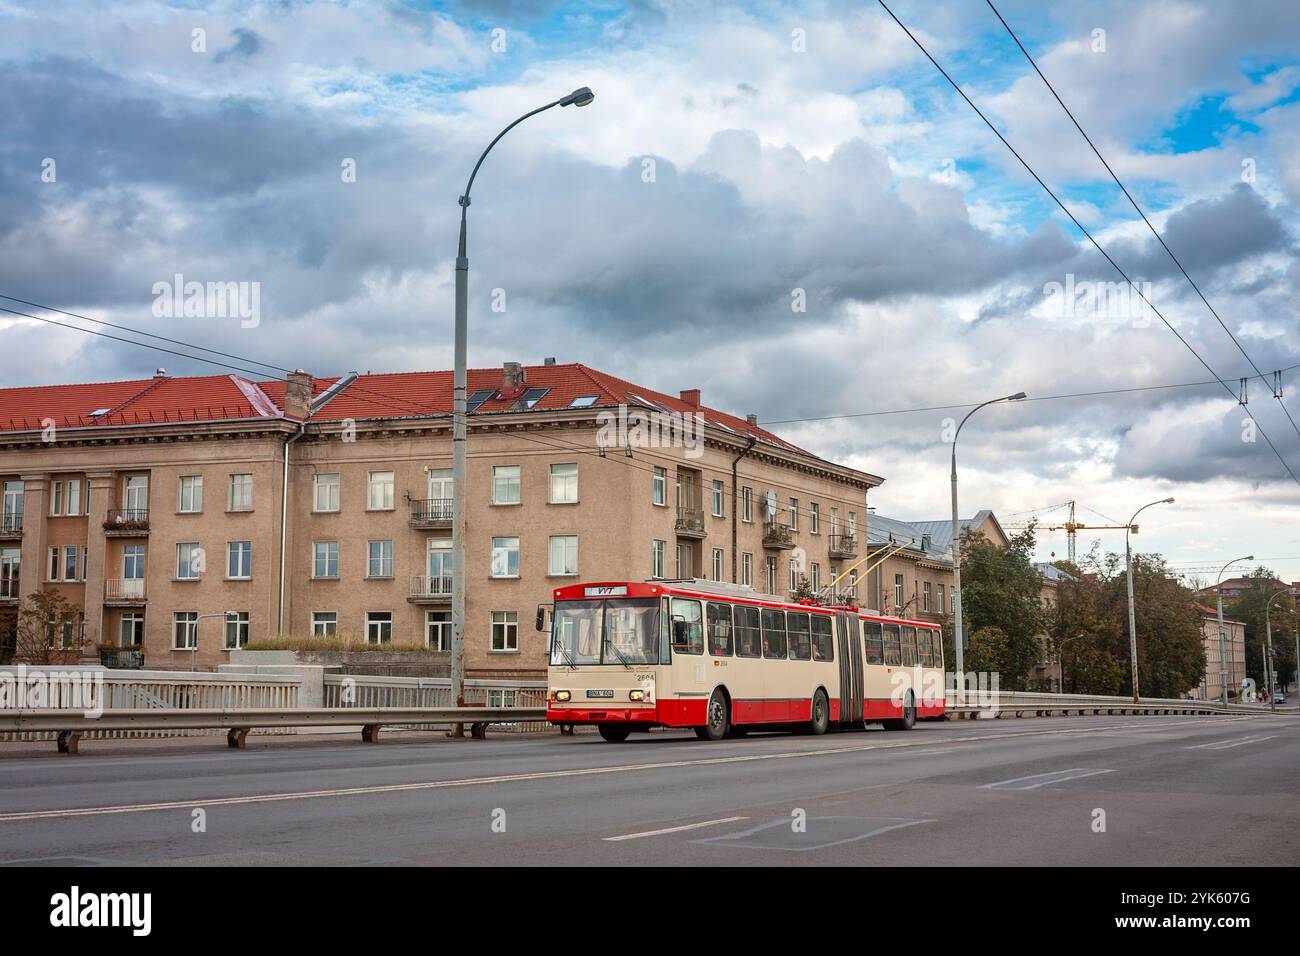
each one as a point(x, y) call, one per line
point(916, 578)
point(1233, 656)
point(187, 516)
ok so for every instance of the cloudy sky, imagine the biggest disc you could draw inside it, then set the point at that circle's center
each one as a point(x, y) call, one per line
point(737, 159)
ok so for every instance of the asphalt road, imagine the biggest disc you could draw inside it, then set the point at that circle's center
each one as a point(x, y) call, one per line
point(1169, 791)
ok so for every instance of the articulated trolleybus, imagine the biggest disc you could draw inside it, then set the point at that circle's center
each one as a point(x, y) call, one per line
point(724, 659)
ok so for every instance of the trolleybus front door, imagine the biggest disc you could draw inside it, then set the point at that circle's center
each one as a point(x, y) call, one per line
point(851, 681)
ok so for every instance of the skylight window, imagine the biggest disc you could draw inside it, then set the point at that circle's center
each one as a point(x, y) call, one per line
point(530, 398)
point(584, 401)
point(478, 398)
point(99, 411)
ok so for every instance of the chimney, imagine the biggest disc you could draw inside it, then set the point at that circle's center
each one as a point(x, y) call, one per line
point(691, 396)
point(751, 420)
point(512, 379)
point(297, 395)
point(160, 373)
point(549, 360)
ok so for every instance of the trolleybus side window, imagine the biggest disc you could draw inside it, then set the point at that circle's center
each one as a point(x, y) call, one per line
point(893, 646)
point(773, 633)
point(800, 635)
point(823, 629)
point(719, 629)
point(749, 643)
point(909, 647)
point(688, 627)
point(936, 642)
point(872, 633)
point(924, 650)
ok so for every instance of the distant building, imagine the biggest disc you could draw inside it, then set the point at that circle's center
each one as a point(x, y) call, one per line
point(1235, 587)
point(1234, 654)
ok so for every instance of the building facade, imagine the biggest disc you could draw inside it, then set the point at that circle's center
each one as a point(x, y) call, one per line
point(1233, 656)
point(187, 516)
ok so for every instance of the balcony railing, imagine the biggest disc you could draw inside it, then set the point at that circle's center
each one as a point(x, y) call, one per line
point(844, 545)
point(778, 535)
point(690, 522)
point(121, 658)
point(431, 513)
point(127, 521)
point(426, 588)
point(11, 524)
point(124, 590)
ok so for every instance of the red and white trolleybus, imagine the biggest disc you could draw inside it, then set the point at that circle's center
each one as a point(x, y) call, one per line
point(723, 659)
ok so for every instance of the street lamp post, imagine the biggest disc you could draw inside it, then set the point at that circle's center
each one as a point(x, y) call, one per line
point(1128, 574)
point(956, 552)
point(1268, 648)
point(579, 97)
point(1223, 659)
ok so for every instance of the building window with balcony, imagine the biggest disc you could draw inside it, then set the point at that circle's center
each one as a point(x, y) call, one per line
point(564, 555)
point(135, 497)
point(852, 524)
point(659, 487)
point(324, 623)
point(564, 484)
point(325, 559)
point(898, 590)
point(505, 631)
point(437, 626)
point(717, 564)
point(236, 629)
point(657, 555)
point(379, 627)
point(11, 510)
point(379, 491)
point(505, 485)
point(505, 557)
point(747, 569)
point(239, 560)
point(189, 561)
point(835, 521)
point(190, 498)
point(326, 493)
point(717, 498)
point(747, 504)
point(814, 517)
point(11, 560)
point(241, 492)
point(133, 562)
point(131, 629)
point(793, 510)
point(185, 630)
point(380, 562)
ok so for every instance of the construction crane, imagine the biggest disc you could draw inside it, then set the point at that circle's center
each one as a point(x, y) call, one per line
point(1071, 526)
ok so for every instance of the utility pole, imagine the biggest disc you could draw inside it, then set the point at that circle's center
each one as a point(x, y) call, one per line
point(1128, 575)
point(1223, 659)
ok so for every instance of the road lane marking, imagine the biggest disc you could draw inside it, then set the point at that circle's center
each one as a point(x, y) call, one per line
point(28, 815)
point(1225, 744)
point(689, 826)
point(1074, 772)
point(946, 750)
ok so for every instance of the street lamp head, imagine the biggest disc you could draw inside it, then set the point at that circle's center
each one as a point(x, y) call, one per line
point(1169, 501)
point(1016, 397)
point(579, 97)
point(1249, 557)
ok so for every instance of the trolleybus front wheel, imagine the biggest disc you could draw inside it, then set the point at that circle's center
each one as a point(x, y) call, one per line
point(718, 717)
point(614, 733)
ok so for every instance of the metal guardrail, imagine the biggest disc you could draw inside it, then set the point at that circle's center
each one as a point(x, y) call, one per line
point(1014, 703)
point(70, 725)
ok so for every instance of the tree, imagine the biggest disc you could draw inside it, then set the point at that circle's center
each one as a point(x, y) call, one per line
point(48, 630)
point(1249, 608)
point(1001, 591)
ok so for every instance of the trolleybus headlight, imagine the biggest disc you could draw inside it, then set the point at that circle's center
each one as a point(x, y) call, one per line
point(562, 695)
point(636, 695)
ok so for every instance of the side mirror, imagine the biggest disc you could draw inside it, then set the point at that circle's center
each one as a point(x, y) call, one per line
point(540, 623)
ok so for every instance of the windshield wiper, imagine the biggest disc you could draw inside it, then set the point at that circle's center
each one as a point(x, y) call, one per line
point(619, 654)
point(564, 652)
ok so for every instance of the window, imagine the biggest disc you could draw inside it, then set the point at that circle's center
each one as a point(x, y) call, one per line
point(189, 561)
point(835, 521)
point(794, 576)
point(771, 575)
point(379, 493)
point(326, 493)
point(72, 571)
point(936, 643)
point(380, 560)
point(925, 596)
point(236, 629)
point(74, 498)
point(872, 636)
point(191, 495)
point(324, 623)
point(749, 642)
point(800, 632)
point(505, 557)
point(814, 517)
point(939, 599)
point(502, 698)
point(440, 487)
point(437, 629)
point(909, 647)
point(924, 650)
point(135, 492)
point(898, 590)
point(528, 399)
point(564, 484)
point(747, 569)
point(659, 488)
point(505, 485)
point(717, 498)
point(241, 492)
point(584, 401)
point(688, 626)
point(185, 630)
point(746, 504)
point(853, 524)
point(717, 564)
point(564, 554)
point(505, 631)
point(325, 559)
point(815, 577)
point(719, 620)
point(379, 627)
point(822, 641)
point(773, 633)
point(56, 498)
point(56, 565)
point(131, 629)
point(133, 562)
point(478, 398)
point(239, 559)
point(792, 510)
point(657, 549)
point(66, 631)
point(893, 646)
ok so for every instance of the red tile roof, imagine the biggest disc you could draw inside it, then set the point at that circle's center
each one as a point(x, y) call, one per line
point(164, 399)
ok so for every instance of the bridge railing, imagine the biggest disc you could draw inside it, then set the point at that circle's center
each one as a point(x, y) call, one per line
point(979, 703)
